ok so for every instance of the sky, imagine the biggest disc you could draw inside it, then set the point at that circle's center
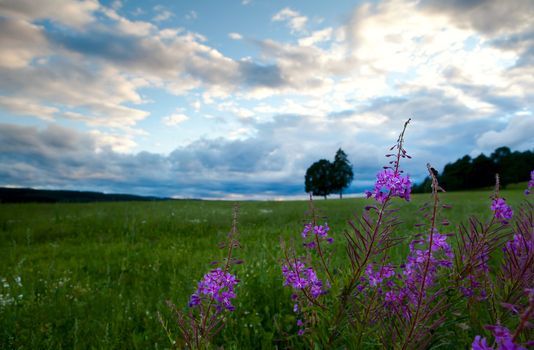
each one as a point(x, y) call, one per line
point(235, 99)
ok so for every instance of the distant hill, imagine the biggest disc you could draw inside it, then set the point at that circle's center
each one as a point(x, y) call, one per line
point(29, 195)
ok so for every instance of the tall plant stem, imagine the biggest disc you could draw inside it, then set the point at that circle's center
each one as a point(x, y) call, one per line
point(357, 274)
point(317, 242)
point(415, 318)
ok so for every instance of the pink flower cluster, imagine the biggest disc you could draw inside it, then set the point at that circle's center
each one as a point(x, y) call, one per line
point(321, 231)
point(530, 183)
point(417, 273)
point(503, 340)
point(390, 183)
point(217, 285)
point(503, 212)
point(376, 277)
point(298, 276)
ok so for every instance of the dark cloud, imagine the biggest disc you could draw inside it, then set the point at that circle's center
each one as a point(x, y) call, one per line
point(490, 17)
point(240, 156)
point(427, 105)
point(259, 75)
point(181, 55)
point(62, 158)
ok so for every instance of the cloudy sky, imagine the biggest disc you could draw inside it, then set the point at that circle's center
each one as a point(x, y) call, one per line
point(236, 98)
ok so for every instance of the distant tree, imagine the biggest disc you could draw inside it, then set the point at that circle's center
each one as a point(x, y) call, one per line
point(467, 172)
point(454, 175)
point(342, 174)
point(482, 172)
point(318, 179)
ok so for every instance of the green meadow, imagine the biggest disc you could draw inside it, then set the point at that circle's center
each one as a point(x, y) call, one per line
point(94, 276)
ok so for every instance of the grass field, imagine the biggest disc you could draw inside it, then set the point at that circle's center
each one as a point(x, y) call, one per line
point(79, 276)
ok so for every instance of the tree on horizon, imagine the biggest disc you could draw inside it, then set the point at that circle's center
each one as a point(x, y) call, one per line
point(342, 174)
point(323, 177)
point(318, 178)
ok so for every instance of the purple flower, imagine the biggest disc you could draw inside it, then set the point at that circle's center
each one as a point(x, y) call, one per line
point(439, 244)
point(301, 330)
point(530, 183)
point(519, 246)
point(480, 344)
point(375, 278)
point(503, 340)
point(194, 301)
point(217, 285)
point(415, 272)
point(503, 212)
point(321, 231)
point(298, 276)
point(390, 183)
point(306, 230)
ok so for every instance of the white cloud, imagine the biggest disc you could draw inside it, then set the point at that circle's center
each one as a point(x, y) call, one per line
point(235, 36)
point(117, 143)
point(100, 94)
point(517, 133)
point(126, 26)
point(20, 43)
point(27, 107)
point(163, 16)
point(76, 14)
point(316, 37)
point(192, 15)
point(175, 119)
point(295, 21)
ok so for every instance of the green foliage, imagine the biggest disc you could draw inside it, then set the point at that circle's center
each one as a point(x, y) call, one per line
point(324, 178)
point(95, 275)
point(342, 174)
point(470, 173)
point(318, 179)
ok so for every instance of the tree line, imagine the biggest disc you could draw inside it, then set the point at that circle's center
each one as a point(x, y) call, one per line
point(468, 173)
point(324, 177)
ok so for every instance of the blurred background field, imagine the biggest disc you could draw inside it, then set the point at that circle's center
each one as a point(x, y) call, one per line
point(94, 275)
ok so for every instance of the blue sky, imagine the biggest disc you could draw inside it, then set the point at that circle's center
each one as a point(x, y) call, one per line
point(235, 99)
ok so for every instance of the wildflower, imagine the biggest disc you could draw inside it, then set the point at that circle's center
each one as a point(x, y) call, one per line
point(530, 183)
point(301, 329)
point(518, 256)
point(519, 246)
point(321, 231)
point(480, 344)
point(375, 278)
point(218, 285)
point(503, 340)
point(390, 183)
point(503, 212)
point(414, 271)
point(439, 243)
point(306, 230)
point(298, 276)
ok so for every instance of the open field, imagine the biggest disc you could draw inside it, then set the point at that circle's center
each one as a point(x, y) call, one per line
point(95, 275)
